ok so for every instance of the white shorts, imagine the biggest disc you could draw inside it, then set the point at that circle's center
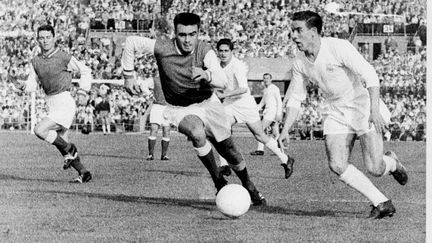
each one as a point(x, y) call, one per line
point(157, 115)
point(210, 111)
point(335, 123)
point(244, 109)
point(61, 108)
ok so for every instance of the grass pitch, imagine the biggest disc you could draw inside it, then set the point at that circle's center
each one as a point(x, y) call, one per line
point(134, 200)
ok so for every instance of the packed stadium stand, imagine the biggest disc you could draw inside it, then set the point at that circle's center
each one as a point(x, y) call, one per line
point(390, 34)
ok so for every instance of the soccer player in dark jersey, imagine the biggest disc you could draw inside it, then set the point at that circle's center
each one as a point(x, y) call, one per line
point(51, 69)
point(189, 71)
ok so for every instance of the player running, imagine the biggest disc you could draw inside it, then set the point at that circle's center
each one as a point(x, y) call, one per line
point(352, 108)
point(51, 69)
point(241, 105)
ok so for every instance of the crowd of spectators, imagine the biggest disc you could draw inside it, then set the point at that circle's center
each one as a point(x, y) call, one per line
point(259, 29)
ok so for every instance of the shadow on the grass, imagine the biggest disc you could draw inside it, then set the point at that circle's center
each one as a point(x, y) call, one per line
point(209, 205)
point(17, 178)
point(111, 156)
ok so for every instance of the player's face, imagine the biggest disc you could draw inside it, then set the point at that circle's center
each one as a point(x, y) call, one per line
point(46, 40)
point(267, 80)
point(301, 34)
point(225, 54)
point(187, 37)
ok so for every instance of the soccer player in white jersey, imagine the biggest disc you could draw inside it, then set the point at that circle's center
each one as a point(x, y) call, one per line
point(241, 105)
point(51, 69)
point(271, 104)
point(157, 120)
point(352, 108)
point(189, 71)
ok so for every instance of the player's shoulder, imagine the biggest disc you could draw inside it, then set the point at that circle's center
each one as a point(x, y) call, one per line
point(334, 44)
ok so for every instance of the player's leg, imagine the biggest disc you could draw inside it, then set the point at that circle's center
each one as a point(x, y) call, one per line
point(260, 148)
point(338, 148)
point(165, 141)
point(258, 132)
point(229, 151)
point(193, 127)
point(47, 130)
point(108, 123)
point(102, 119)
point(151, 140)
point(378, 164)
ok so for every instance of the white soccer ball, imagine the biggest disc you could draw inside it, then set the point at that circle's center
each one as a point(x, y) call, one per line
point(233, 200)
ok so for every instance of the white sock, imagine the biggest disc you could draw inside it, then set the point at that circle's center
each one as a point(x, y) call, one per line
point(273, 146)
point(357, 180)
point(390, 164)
point(109, 128)
point(103, 129)
point(222, 161)
point(260, 147)
point(204, 150)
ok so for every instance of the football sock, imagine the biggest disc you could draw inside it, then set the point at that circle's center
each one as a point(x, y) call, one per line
point(205, 154)
point(103, 129)
point(390, 164)
point(151, 144)
point(273, 146)
point(164, 145)
point(108, 128)
point(243, 175)
point(78, 166)
point(357, 180)
point(260, 147)
point(58, 142)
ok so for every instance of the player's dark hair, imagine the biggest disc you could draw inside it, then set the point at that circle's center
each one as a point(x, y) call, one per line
point(312, 19)
point(268, 74)
point(187, 19)
point(225, 41)
point(46, 27)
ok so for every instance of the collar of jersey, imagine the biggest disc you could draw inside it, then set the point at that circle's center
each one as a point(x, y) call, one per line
point(51, 54)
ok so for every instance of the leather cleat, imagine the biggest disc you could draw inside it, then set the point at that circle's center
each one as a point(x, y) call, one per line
point(164, 157)
point(85, 177)
point(150, 157)
point(225, 170)
point(288, 167)
point(257, 152)
point(384, 209)
point(400, 174)
point(257, 198)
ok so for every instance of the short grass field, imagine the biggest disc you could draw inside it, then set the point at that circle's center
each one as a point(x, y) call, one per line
point(134, 200)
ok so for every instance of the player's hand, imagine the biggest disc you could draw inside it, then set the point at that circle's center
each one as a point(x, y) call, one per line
point(199, 74)
point(132, 86)
point(376, 119)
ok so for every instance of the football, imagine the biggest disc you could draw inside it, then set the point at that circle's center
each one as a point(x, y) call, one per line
point(233, 200)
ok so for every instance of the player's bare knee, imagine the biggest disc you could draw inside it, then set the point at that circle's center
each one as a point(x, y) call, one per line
point(40, 131)
point(375, 169)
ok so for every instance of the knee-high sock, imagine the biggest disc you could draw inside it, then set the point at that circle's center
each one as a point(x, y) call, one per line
point(357, 180)
point(58, 142)
point(151, 144)
point(205, 154)
point(164, 145)
point(273, 146)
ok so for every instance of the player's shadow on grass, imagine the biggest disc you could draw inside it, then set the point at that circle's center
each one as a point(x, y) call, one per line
point(209, 205)
point(17, 178)
point(104, 155)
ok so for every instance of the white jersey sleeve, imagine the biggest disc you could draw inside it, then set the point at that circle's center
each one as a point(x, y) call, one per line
point(348, 55)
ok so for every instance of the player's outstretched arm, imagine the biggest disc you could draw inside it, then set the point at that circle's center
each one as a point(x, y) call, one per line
point(134, 45)
point(232, 93)
point(290, 117)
